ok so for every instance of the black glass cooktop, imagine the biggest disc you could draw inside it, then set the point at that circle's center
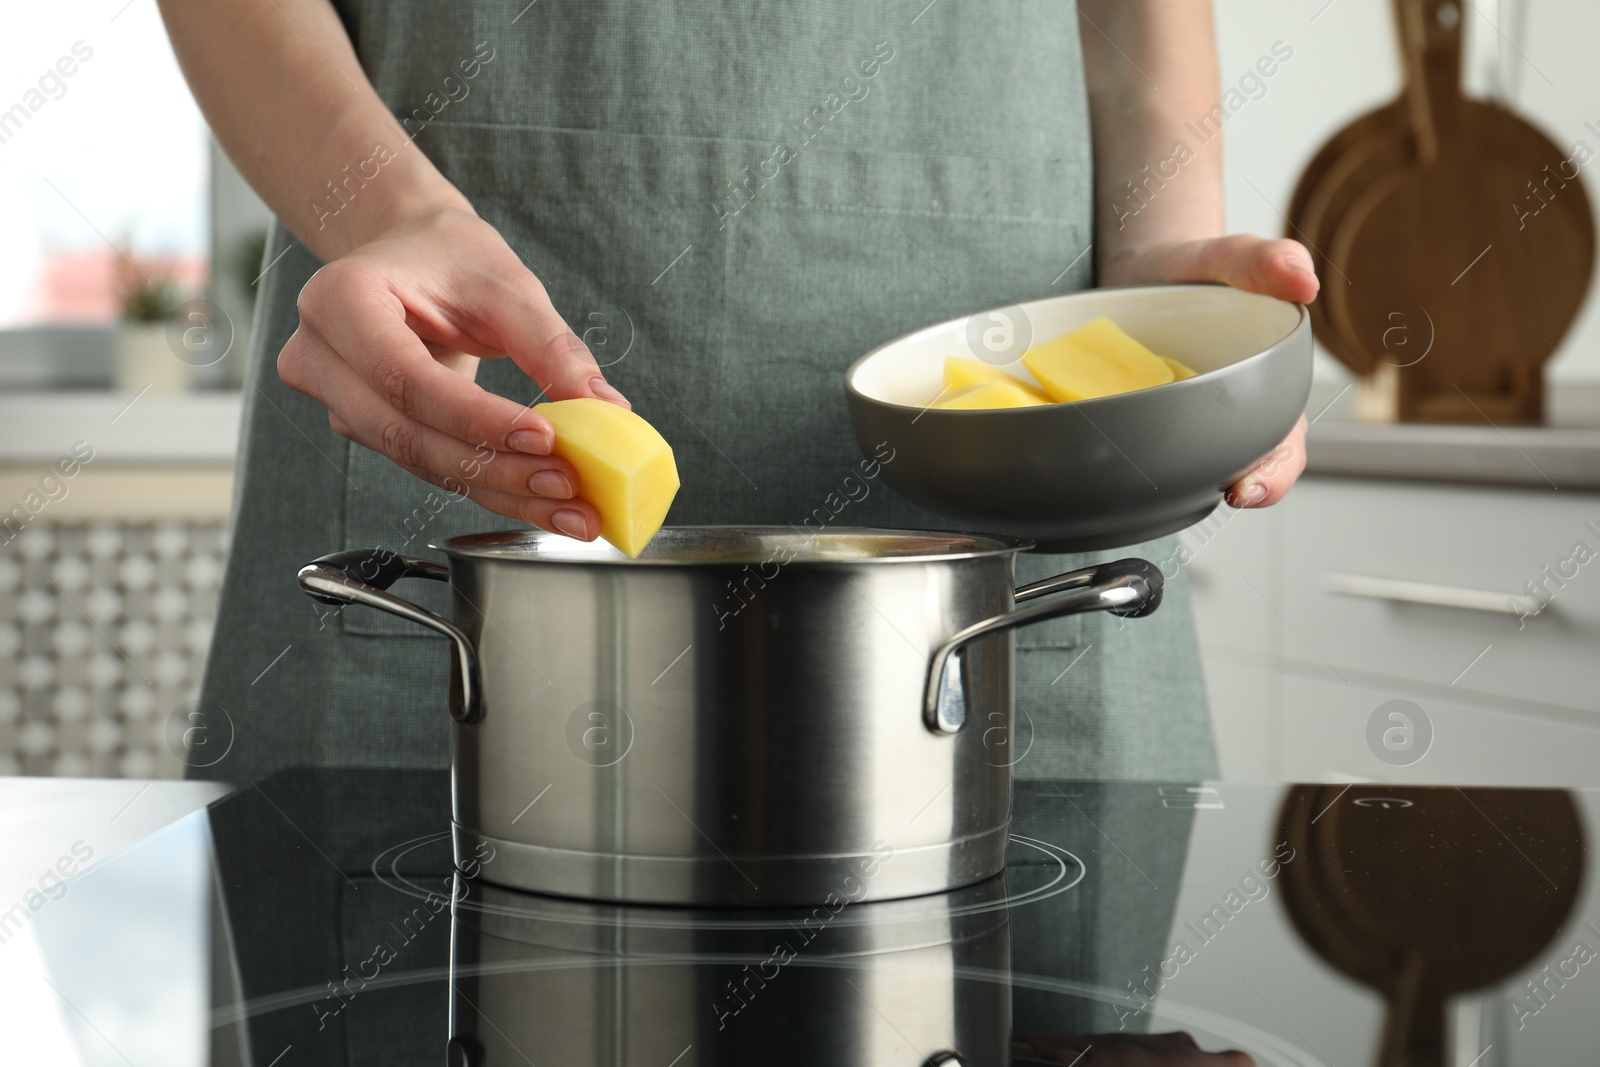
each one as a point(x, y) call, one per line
point(317, 918)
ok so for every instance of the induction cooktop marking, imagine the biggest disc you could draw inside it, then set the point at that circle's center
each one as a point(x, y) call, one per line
point(280, 1056)
point(685, 1052)
point(1102, 833)
point(1261, 1043)
point(1480, 1056)
point(386, 870)
point(1190, 797)
point(1382, 802)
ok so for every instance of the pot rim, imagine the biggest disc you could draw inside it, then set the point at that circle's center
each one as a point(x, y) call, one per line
point(760, 544)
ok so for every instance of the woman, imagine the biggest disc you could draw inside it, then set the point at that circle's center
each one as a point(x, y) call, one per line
point(709, 208)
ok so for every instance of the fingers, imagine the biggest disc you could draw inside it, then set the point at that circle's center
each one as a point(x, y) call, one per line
point(1273, 267)
point(364, 324)
point(1267, 483)
point(1278, 268)
point(574, 518)
point(538, 340)
point(531, 488)
point(390, 339)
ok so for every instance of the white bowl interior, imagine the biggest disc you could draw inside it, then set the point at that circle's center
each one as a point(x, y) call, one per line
point(1207, 327)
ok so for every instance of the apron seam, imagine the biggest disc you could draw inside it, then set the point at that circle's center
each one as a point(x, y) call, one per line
point(713, 139)
point(962, 216)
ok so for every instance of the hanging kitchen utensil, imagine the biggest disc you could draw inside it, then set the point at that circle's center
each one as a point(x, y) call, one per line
point(1466, 267)
point(1427, 893)
point(1336, 176)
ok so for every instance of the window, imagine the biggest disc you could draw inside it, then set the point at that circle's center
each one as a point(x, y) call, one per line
point(104, 164)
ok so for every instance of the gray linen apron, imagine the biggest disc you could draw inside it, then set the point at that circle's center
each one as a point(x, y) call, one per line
point(730, 201)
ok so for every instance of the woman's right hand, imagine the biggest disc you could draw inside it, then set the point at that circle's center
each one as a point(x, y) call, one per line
point(390, 338)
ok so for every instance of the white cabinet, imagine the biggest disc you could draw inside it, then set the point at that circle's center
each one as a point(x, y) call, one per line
point(1478, 606)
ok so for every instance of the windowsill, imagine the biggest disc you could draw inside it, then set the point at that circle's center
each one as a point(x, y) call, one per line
point(196, 427)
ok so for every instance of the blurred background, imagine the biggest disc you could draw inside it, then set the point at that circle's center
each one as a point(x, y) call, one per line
point(129, 237)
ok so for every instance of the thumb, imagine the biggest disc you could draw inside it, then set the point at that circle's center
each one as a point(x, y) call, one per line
point(1278, 268)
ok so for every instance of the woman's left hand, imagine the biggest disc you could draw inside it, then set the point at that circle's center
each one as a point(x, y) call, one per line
point(1279, 268)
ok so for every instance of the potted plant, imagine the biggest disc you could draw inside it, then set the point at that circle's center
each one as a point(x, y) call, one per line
point(144, 359)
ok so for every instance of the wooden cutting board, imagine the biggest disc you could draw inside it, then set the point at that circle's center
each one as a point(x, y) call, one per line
point(1458, 243)
point(1348, 164)
point(1426, 893)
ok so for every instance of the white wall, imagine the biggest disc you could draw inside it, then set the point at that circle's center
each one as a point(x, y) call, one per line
point(1345, 62)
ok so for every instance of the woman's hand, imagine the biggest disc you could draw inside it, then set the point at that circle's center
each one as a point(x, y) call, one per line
point(1278, 268)
point(416, 289)
point(390, 338)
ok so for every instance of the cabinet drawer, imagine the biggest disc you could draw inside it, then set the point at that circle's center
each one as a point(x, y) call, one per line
point(1325, 727)
point(1385, 545)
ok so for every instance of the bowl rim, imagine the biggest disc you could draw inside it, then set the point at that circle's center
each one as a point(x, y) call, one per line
point(851, 390)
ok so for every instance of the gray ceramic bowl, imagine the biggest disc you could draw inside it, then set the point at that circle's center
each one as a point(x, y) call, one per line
point(1096, 473)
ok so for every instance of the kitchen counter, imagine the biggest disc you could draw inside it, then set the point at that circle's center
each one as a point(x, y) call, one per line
point(314, 918)
point(1536, 456)
point(74, 822)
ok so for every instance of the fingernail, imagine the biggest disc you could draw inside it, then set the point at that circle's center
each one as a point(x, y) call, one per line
point(604, 390)
point(532, 442)
point(552, 484)
point(1297, 263)
point(1252, 496)
point(571, 523)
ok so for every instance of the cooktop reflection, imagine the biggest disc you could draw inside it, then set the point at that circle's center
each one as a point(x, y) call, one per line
point(317, 918)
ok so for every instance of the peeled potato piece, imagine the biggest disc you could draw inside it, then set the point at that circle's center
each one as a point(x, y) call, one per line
point(963, 372)
point(1096, 359)
point(1180, 371)
point(625, 468)
point(989, 395)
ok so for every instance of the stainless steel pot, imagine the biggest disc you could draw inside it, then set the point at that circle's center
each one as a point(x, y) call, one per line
point(903, 983)
point(740, 716)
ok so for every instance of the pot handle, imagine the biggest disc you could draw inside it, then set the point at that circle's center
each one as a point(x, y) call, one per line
point(1127, 587)
point(361, 575)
